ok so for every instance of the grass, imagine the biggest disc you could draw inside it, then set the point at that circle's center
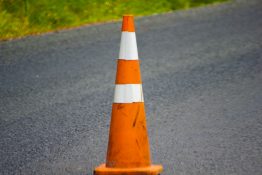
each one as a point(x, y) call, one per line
point(25, 17)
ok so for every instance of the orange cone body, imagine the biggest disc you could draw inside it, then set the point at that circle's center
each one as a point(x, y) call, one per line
point(128, 147)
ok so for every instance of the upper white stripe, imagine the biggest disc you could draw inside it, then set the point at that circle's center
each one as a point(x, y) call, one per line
point(128, 93)
point(128, 47)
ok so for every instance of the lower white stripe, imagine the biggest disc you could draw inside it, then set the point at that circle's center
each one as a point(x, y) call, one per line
point(128, 93)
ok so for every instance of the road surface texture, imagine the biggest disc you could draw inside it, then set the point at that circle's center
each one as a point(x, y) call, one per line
point(202, 80)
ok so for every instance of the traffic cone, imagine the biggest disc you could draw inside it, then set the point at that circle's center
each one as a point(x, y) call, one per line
point(128, 148)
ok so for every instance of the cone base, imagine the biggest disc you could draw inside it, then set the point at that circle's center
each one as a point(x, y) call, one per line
point(151, 170)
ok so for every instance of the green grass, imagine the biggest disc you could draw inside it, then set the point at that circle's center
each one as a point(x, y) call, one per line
point(24, 17)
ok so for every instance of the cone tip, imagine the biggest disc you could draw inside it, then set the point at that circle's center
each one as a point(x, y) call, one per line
point(128, 23)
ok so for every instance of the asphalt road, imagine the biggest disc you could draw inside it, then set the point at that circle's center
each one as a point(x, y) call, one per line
point(202, 81)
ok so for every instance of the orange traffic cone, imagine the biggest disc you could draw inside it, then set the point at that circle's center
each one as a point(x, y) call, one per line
point(128, 148)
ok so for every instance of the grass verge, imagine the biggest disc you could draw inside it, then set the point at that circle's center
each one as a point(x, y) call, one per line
point(24, 17)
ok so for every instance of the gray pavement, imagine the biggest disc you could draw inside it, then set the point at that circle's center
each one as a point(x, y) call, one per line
point(202, 80)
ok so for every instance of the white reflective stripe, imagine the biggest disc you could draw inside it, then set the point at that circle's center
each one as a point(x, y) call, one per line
point(128, 93)
point(128, 47)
